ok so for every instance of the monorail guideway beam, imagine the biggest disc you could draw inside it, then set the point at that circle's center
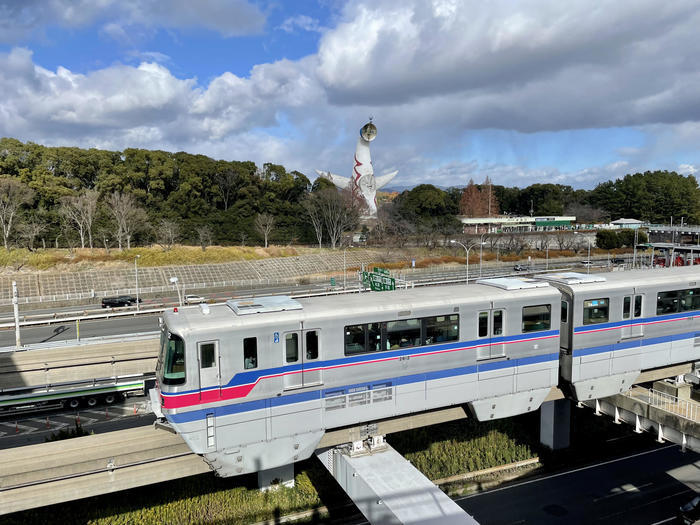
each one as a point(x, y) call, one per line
point(387, 489)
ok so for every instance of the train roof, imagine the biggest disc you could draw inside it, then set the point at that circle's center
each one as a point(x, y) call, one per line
point(276, 309)
point(584, 282)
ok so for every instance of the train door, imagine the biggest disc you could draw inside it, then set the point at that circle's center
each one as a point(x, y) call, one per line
point(490, 329)
point(631, 314)
point(292, 358)
point(311, 374)
point(497, 347)
point(637, 328)
point(302, 349)
point(565, 322)
point(208, 359)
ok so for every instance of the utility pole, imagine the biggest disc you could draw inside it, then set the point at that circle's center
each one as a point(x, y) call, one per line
point(15, 305)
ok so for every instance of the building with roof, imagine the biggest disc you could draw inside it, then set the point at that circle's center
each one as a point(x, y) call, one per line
point(627, 223)
point(509, 223)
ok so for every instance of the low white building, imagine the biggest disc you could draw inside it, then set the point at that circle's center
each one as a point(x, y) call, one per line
point(515, 223)
point(627, 223)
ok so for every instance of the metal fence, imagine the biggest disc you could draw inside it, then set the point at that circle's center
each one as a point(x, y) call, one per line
point(684, 408)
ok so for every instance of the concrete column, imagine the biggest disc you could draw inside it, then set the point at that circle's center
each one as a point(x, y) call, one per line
point(274, 477)
point(555, 424)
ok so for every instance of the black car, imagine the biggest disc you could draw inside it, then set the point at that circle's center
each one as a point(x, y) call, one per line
point(119, 300)
point(690, 512)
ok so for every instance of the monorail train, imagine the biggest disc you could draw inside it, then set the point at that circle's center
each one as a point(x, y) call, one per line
point(253, 385)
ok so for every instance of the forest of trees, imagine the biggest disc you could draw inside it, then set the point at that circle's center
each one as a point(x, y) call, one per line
point(69, 197)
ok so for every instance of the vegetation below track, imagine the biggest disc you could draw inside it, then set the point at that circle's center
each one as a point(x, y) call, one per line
point(438, 451)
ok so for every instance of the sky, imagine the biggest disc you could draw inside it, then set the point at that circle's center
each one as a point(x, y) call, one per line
point(573, 92)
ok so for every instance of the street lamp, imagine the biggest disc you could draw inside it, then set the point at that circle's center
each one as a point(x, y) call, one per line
point(179, 297)
point(467, 249)
point(481, 250)
point(136, 271)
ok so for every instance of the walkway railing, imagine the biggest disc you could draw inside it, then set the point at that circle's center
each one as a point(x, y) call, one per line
point(684, 408)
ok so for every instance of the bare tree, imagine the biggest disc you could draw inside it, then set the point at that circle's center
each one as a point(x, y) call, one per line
point(13, 194)
point(204, 236)
point(338, 214)
point(70, 212)
point(225, 183)
point(313, 210)
point(30, 230)
point(563, 239)
point(264, 222)
point(87, 206)
point(167, 234)
point(128, 217)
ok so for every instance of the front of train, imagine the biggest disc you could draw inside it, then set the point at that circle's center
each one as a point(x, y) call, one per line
point(176, 397)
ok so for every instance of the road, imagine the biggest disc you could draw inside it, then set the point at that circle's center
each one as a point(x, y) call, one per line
point(641, 489)
point(29, 429)
point(645, 488)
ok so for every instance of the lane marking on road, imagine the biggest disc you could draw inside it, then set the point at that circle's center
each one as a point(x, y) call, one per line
point(624, 489)
point(580, 469)
point(627, 509)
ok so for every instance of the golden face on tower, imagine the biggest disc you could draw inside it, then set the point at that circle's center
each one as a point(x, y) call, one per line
point(368, 132)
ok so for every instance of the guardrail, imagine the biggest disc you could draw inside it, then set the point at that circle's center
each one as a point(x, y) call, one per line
point(684, 408)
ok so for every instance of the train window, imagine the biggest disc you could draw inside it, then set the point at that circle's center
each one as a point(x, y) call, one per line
point(483, 324)
point(291, 345)
point(374, 337)
point(564, 312)
point(537, 317)
point(250, 352)
point(595, 311)
point(312, 344)
point(207, 355)
point(689, 300)
point(497, 322)
point(666, 302)
point(403, 334)
point(174, 362)
point(626, 306)
point(638, 305)
point(441, 328)
point(355, 339)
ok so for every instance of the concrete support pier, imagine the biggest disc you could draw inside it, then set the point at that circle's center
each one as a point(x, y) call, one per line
point(275, 477)
point(555, 424)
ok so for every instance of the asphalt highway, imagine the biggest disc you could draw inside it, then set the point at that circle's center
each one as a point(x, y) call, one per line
point(641, 489)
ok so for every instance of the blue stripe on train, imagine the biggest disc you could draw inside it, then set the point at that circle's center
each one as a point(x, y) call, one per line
point(247, 406)
point(633, 343)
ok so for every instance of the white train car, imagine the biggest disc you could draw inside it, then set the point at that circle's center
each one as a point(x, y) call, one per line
point(253, 385)
point(615, 325)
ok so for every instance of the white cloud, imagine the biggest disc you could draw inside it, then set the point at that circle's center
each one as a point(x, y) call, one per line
point(303, 22)
point(687, 169)
point(535, 65)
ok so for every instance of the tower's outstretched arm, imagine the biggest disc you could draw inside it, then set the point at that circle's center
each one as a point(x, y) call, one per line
point(385, 179)
point(340, 182)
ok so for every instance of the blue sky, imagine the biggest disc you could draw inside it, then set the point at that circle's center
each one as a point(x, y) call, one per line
point(534, 91)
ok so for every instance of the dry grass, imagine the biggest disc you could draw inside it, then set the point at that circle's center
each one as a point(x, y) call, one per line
point(80, 259)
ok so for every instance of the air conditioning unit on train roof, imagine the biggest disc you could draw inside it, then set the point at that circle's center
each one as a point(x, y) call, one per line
point(512, 283)
point(573, 278)
point(258, 305)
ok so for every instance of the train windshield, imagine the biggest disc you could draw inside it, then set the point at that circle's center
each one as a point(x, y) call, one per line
point(171, 362)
